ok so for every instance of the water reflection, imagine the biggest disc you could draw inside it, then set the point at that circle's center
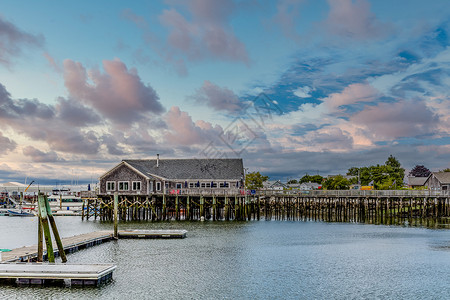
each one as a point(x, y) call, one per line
point(263, 260)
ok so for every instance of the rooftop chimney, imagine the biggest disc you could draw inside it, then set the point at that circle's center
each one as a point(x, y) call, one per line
point(157, 160)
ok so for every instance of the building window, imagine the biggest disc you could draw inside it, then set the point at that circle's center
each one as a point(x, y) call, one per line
point(136, 185)
point(158, 186)
point(110, 185)
point(191, 185)
point(224, 184)
point(179, 185)
point(214, 184)
point(123, 186)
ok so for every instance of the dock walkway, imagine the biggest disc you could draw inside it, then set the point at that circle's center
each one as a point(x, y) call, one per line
point(81, 241)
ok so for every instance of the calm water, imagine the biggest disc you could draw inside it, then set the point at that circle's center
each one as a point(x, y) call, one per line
point(254, 260)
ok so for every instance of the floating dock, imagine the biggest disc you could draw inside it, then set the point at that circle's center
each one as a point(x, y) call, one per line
point(82, 241)
point(60, 274)
point(152, 234)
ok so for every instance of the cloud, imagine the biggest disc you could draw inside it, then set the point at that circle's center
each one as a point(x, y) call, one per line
point(13, 40)
point(353, 20)
point(397, 120)
point(39, 156)
point(183, 131)
point(48, 123)
point(118, 94)
point(288, 12)
point(218, 98)
point(303, 92)
point(207, 34)
point(356, 93)
point(52, 63)
point(6, 144)
point(75, 113)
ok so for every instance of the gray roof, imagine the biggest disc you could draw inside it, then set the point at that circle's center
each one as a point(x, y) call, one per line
point(443, 177)
point(227, 168)
point(417, 181)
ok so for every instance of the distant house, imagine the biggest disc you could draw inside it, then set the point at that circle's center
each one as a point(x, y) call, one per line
point(416, 182)
point(307, 186)
point(156, 176)
point(276, 185)
point(438, 181)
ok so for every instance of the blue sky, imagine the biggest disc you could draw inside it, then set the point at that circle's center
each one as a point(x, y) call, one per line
point(293, 87)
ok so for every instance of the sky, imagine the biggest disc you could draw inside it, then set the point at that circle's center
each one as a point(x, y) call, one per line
point(293, 87)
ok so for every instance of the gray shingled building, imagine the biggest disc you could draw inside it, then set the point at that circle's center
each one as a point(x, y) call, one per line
point(155, 176)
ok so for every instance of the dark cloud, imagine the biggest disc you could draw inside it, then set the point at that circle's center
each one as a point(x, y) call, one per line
point(118, 94)
point(39, 156)
point(50, 124)
point(6, 144)
point(13, 40)
point(76, 114)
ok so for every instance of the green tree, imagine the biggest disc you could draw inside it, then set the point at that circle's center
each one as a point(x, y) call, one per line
point(446, 170)
point(314, 178)
point(387, 176)
point(337, 183)
point(292, 181)
point(254, 180)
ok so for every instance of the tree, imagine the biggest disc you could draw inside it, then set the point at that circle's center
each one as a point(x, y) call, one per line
point(419, 171)
point(387, 176)
point(337, 183)
point(308, 178)
point(254, 180)
point(292, 181)
point(446, 170)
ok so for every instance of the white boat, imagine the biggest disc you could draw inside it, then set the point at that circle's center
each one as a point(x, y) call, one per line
point(20, 213)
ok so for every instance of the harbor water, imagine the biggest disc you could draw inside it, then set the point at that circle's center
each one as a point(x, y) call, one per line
point(252, 260)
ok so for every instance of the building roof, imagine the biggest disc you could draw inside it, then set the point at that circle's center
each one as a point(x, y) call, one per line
point(184, 169)
point(443, 177)
point(417, 181)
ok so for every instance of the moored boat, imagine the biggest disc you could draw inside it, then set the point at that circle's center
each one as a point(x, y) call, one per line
point(20, 213)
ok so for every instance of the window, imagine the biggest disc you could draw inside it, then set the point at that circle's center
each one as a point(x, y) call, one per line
point(208, 184)
point(158, 186)
point(123, 186)
point(191, 185)
point(136, 185)
point(223, 184)
point(110, 185)
point(214, 184)
point(179, 185)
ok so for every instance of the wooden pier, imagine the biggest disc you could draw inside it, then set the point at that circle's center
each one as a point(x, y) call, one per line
point(378, 207)
point(59, 274)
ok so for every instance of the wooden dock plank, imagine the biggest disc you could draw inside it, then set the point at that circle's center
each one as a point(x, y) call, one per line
point(74, 243)
point(30, 252)
point(55, 271)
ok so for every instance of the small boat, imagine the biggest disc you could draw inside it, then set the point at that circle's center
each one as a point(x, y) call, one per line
point(19, 213)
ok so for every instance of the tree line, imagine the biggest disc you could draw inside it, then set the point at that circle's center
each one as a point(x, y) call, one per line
point(388, 176)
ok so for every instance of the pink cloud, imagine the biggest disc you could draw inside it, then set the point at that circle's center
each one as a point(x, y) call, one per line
point(118, 94)
point(217, 97)
point(397, 120)
point(207, 34)
point(353, 19)
point(352, 94)
point(288, 11)
point(183, 131)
